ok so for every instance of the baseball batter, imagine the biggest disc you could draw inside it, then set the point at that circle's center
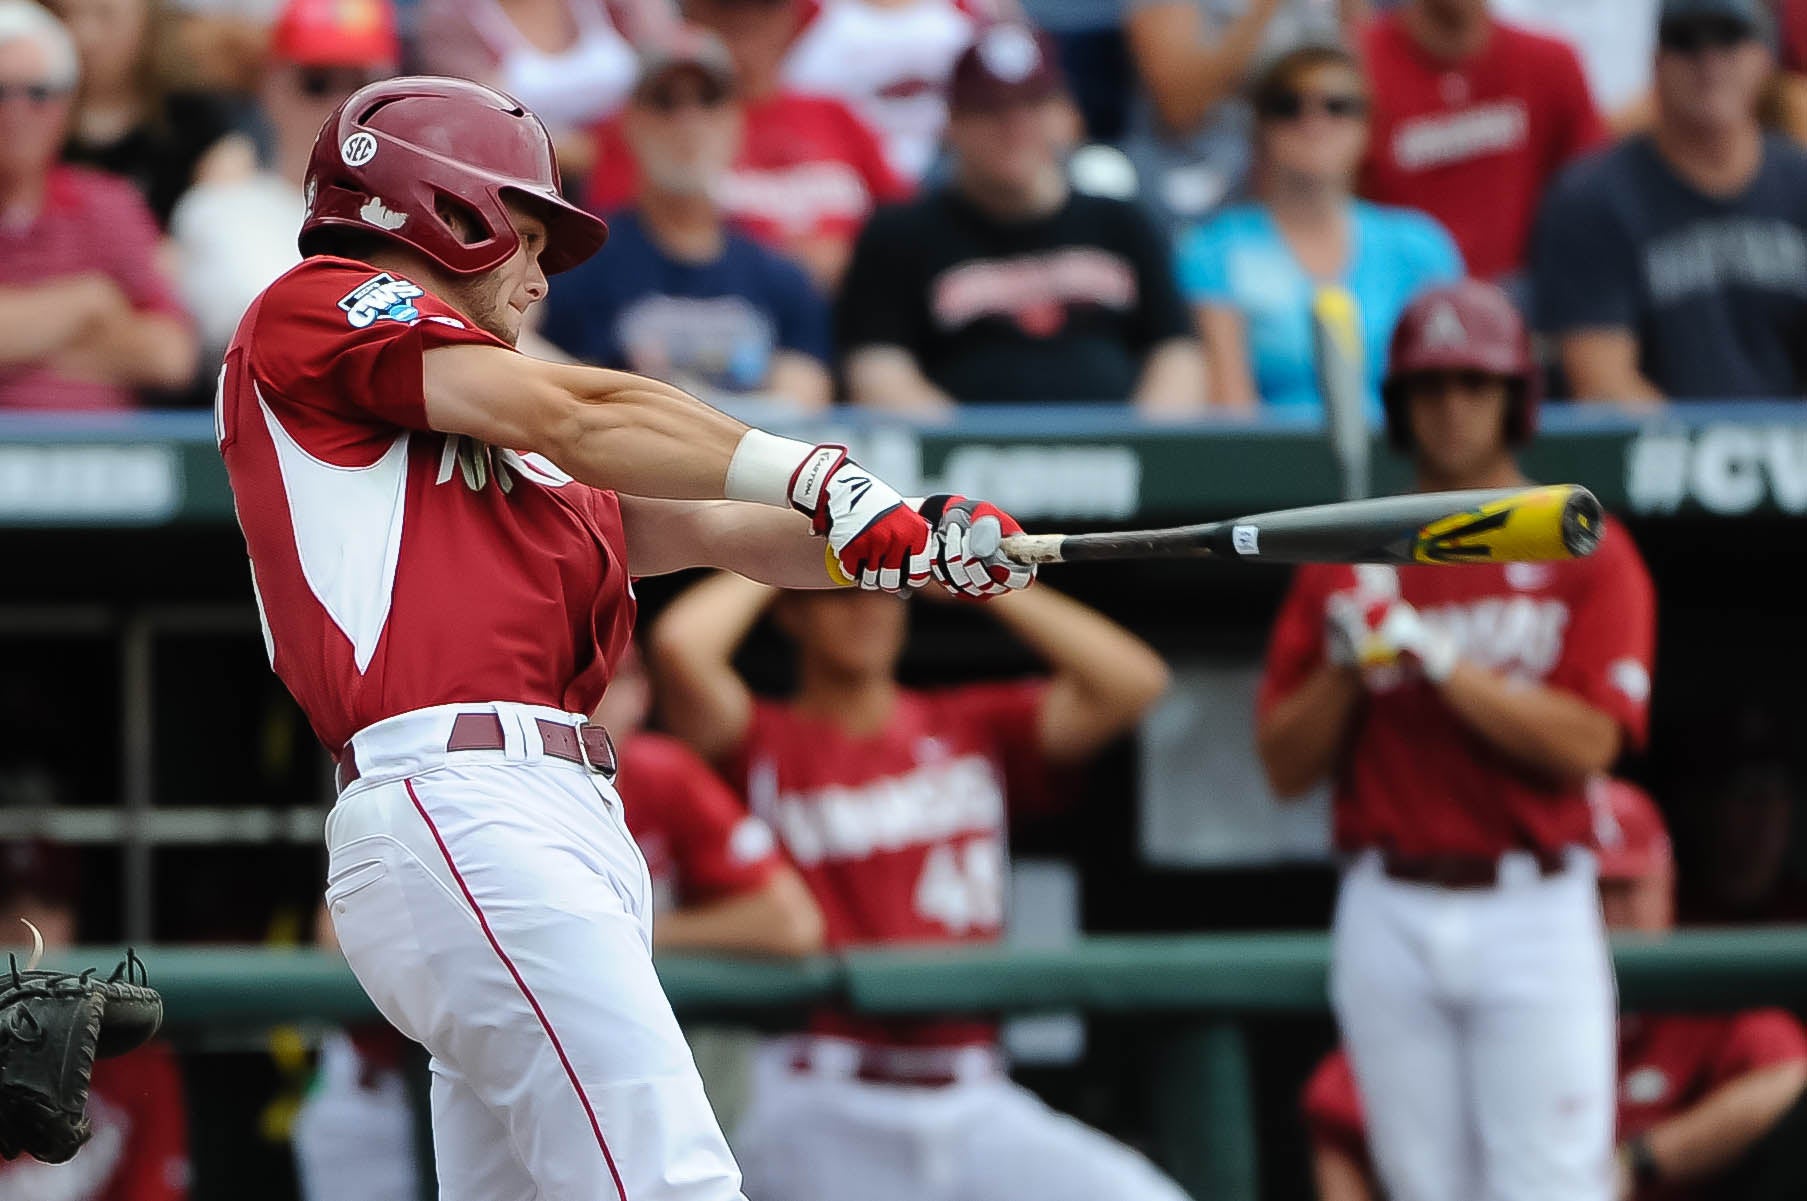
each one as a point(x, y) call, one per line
point(1458, 711)
point(442, 535)
point(895, 804)
point(1695, 1091)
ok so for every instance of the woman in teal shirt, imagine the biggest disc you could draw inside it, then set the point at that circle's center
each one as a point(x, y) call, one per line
point(1254, 272)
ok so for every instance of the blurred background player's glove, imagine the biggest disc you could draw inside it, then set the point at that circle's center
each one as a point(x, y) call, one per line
point(53, 1025)
point(1403, 636)
point(963, 552)
point(879, 541)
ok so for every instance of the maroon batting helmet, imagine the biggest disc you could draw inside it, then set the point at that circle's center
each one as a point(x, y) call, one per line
point(1464, 326)
point(397, 153)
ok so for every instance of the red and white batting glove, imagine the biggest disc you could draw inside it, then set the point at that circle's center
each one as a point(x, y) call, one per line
point(964, 555)
point(879, 541)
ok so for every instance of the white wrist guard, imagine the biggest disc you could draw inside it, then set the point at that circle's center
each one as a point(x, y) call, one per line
point(764, 466)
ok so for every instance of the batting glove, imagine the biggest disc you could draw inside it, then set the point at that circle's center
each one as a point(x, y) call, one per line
point(878, 540)
point(964, 554)
point(1402, 635)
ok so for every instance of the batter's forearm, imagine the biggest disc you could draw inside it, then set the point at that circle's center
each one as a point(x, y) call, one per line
point(638, 435)
point(1710, 1136)
point(1545, 728)
point(1301, 736)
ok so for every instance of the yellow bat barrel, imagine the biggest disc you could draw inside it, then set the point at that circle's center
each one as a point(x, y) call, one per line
point(1557, 521)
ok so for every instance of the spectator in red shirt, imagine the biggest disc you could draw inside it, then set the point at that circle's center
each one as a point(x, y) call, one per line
point(809, 171)
point(139, 1150)
point(1472, 117)
point(1696, 1091)
point(86, 317)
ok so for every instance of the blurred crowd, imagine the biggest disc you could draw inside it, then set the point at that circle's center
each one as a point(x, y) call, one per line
point(914, 204)
point(910, 205)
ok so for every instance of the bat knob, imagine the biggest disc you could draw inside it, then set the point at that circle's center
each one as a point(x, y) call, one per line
point(984, 538)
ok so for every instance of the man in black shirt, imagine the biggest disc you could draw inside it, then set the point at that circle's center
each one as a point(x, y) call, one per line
point(1005, 285)
point(1674, 264)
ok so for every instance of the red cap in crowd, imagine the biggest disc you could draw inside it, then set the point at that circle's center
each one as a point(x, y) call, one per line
point(1632, 841)
point(1007, 64)
point(337, 33)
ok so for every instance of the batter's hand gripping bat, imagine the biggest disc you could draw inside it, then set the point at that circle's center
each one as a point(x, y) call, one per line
point(1556, 521)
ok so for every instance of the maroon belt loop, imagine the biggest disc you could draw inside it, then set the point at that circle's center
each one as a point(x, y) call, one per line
point(587, 745)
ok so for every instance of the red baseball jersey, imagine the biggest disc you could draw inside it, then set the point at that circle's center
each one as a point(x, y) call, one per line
point(901, 835)
point(1473, 143)
point(1668, 1063)
point(700, 842)
point(139, 1151)
point(385, 581)
point(807, 168)
point(1414, 777)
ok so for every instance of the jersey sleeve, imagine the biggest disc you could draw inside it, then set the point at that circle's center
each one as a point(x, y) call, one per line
point(346, 340)
point(721, 849)
point(1332, 1108)
point(1610, 642)
point(1009, 717)
point(1758, 1039)
point(1295, 647)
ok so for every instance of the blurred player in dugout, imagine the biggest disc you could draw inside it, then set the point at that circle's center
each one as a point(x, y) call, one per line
point(1695, 1091)
point(719, 884)
point(894, 805)
point(1458, 712)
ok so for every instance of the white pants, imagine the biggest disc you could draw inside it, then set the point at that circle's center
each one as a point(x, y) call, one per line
point(819, 1137)
point(1480, 1024)
point(494, 907)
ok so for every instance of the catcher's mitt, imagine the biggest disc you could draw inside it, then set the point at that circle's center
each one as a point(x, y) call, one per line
point(53, 1025)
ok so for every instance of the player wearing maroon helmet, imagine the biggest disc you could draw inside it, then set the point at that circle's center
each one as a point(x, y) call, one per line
point(894, 804)
point(1458, 712)
point(1696, 1091)
point(442, 533)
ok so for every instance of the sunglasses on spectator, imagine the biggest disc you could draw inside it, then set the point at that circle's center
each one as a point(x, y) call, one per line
point(1289, 105)
point(35, 93)
point(1691, 37)
point(318, 83)
point(669, 100)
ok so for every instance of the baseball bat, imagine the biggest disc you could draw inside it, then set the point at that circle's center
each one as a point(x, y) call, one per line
point(1555, 521)
point(1337, 358)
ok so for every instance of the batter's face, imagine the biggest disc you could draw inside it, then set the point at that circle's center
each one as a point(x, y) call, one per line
point(497, 301)
point(846, 631)
point(1458, 421)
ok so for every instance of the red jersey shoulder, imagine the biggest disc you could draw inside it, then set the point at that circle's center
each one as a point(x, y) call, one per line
point(345, 339)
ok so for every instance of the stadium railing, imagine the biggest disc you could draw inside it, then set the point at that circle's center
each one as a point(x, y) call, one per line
point(1201, 987)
